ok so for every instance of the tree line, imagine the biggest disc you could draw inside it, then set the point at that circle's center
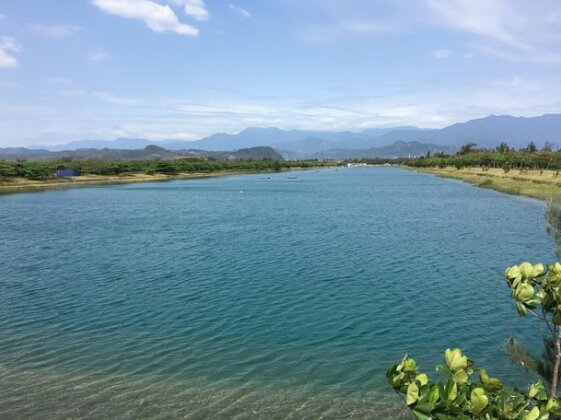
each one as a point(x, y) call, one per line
point(41, 170)
point(502, 156)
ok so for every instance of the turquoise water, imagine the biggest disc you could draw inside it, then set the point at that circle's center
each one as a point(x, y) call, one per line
point(242, 297)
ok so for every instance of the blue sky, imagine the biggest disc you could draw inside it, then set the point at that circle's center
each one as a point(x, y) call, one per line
point(184, 69)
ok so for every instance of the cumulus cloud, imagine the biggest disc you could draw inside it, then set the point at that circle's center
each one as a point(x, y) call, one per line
point(194, 8)
point(239, 10)
point(159, 18)
point(54, 31)
point(8, 46)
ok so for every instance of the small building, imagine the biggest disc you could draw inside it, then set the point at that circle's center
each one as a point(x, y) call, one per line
point(61, 173)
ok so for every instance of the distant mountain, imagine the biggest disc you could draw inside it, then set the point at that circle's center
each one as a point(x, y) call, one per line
point(306, 146)
point(489, 132)
point(148, 153)
point(486, 132)
point(122, 143)
point(21, 151)
point(395, 150)
point(294, 140)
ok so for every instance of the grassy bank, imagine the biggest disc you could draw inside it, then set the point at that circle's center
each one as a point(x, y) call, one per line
point(540, 184)
point(19, 184)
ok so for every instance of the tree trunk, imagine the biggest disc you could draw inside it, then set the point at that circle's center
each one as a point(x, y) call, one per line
point(556, 366)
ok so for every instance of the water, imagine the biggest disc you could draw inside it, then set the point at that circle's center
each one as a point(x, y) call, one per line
point(241, 297)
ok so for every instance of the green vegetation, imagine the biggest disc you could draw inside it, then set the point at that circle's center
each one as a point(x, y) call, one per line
point(502, 157)
point(536, 292)
point(527, 171)
point(45, 170)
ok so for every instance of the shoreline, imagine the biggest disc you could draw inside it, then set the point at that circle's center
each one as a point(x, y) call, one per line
point(543, 185)
point(24, 185)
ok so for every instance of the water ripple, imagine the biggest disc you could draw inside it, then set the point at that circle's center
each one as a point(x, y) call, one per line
point(287, 302)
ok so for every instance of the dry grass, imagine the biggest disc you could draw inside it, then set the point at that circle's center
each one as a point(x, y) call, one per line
point(543, 185)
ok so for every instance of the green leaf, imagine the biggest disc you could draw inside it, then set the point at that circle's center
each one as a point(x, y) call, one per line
point(460, 376)
point(409, 366)
point(555, 268)
point(479, 400)
point(552, 404)
point(512, 272)
point(535, 388)
point(524, 292)
point(521, 309)
point(526, 269)
point(452, 391)
point(490, 384)
point(455, 360)
point(421, 416)
point(425, 408)
point(434, 394)
point(538, 270)
point(412, 393)
point(534, 414)
point(422, 378)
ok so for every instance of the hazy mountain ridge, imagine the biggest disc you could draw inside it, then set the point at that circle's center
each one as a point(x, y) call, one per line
point(487, 132)
point(395, 150)
point(148, 153)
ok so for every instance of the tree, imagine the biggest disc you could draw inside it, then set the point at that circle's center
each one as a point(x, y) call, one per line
point(503, 147)
point(535, 291)
point(467, 148)
point(553, 218)
point(548, 147)
point(531, 148)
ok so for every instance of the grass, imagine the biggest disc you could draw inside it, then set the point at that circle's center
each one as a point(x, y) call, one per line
point(540, 184)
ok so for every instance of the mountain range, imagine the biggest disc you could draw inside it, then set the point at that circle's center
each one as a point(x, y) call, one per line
point(148, 153)
point(486, 132)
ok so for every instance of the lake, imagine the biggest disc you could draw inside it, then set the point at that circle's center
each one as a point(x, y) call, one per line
point(243, 297)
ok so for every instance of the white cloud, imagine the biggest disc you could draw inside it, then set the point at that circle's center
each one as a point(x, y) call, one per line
point(440, 53)
point(7, 84)
point(157, 17)
point(72, 93)
point(62, 81)
point(508, 28)
point(193, 8)
point(117, 100)
point(54, 31)
point(239, 10)
point(97, 56)
point(103, 114)
point(8, 46)
point(331, 32)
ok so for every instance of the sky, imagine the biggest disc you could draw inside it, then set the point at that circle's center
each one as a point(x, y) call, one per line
point(184, 69)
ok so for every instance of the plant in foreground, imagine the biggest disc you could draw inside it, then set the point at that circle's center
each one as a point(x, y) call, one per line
point(536, 292)
point(461, 398)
